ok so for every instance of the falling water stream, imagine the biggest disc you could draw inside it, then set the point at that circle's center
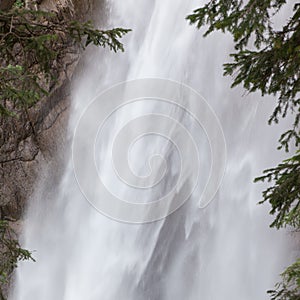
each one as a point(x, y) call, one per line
point(222, 251)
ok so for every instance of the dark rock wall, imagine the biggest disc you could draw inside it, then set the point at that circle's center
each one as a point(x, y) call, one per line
point(31, 142)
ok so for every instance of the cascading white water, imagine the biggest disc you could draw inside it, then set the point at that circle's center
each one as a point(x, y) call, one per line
point(224, 251)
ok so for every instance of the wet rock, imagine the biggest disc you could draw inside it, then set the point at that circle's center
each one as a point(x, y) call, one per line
point(31, 141)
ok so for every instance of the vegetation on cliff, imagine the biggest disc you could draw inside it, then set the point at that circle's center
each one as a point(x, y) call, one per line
point(33, 45)
point(267, 59)
point(10, 253)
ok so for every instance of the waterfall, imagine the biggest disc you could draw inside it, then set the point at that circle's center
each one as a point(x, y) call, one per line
point(221, 248)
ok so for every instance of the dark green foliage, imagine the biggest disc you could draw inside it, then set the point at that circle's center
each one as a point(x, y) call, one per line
point(30, 43)
point(10, 253)
point(284, 195)
point(19, 4)
point(270, 63)
point(243, 19)
point(289, 288)
point(32, 48)
point(267, 60)
point(14, 89)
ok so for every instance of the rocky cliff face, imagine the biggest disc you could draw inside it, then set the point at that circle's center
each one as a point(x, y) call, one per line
point(29, 142)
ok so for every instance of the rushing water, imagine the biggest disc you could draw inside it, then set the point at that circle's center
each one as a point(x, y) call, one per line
point(224, 251)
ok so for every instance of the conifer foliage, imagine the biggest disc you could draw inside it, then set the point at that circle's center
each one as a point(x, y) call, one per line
point(31, 42)
point(10, 253)
point(267, 59)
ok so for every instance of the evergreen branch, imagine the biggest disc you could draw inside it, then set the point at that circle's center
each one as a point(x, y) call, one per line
point(289, 288)
point(284, 195)
point(34, 41)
